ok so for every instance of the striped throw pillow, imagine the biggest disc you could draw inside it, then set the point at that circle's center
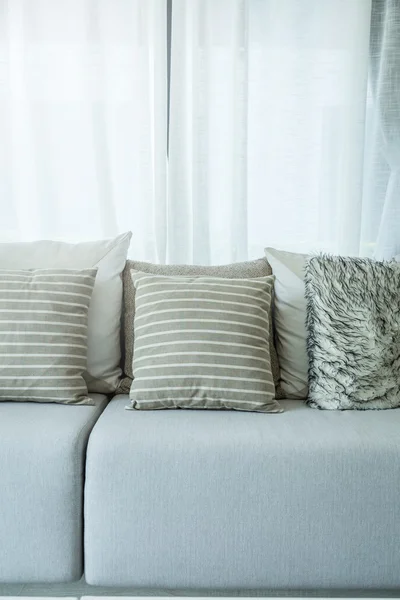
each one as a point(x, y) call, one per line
point(202, 342)
point(250, 269)
point(43, 334)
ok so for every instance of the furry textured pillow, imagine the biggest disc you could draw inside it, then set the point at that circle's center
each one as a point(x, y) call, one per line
point(353, 322)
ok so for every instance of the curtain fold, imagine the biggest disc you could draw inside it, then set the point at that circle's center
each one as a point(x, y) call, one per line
point(208, 131)
point(381, 220)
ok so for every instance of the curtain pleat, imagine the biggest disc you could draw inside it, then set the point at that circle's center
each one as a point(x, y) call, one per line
point(381, 217)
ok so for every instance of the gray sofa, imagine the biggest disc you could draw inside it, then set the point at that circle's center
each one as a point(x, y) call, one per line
point(306, 499)
point(42, 467)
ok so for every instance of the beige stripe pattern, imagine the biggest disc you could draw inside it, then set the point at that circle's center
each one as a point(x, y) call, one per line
point(245, 270)
point(202, 342)
point(43, 334)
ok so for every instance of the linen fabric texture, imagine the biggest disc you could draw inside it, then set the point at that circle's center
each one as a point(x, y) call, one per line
point(243, 270)
point(290, 321)
point(43, 333)
point(353, 322)
point(296, 499)
point(103, 371)
point(202, 342)
point(42, 466)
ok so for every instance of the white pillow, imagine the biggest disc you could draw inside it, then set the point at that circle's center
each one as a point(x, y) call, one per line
point(109, 256)
point(290, 319)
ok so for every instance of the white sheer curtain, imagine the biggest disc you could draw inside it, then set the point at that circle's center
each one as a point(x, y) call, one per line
point(267, 126)
point(83, 113)
point(381, 215)
point(279, 125)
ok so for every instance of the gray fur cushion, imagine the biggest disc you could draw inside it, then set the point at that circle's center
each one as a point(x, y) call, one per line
point(353, 323)
point(244, 270)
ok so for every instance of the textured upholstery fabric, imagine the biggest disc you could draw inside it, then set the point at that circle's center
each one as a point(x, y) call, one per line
point(244, 270)
point(42, 461)
point(202, 342)
point(202, 499)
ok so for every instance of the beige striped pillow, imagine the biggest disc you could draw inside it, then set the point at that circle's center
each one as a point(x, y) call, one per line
point(43, 334)
point(202, 342)
point(251, 269)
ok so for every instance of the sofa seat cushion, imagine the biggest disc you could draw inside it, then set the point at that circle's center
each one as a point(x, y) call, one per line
point(224, 499)
point(42, 463)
